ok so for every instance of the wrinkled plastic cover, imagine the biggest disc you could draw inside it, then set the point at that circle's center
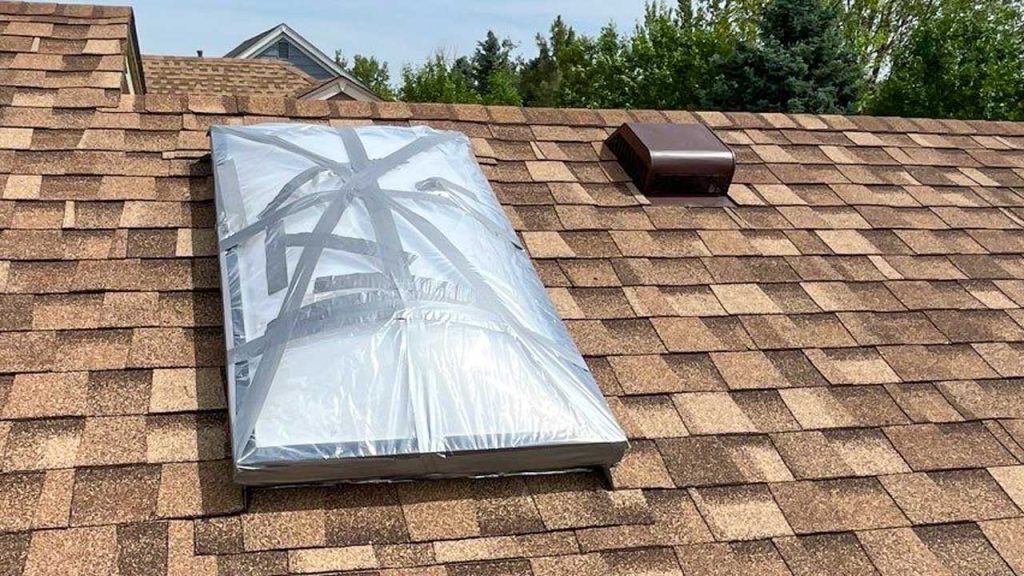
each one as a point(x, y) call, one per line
point(382, 319)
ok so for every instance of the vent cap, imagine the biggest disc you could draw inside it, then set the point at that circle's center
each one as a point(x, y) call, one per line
point(674, 159)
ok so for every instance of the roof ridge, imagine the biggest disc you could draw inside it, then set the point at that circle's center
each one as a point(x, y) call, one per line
point(75, 11)
point(220, 59)
point(546, 116)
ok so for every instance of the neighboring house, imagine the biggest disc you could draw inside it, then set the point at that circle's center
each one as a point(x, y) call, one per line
point(822, 377)
point(283, 43)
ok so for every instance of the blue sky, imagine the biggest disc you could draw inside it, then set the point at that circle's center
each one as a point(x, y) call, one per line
point(393, 30)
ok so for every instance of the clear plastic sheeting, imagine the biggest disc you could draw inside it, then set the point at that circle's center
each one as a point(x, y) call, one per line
point(382, 319)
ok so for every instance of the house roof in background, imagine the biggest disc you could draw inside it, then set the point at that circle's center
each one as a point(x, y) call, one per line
point(185, 75)
point(331, 87)
point(248, 42)
point(824, 376)
point(255, 45)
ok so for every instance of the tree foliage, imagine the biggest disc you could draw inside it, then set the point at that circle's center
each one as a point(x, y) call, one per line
point(965, 60)
point(439, 79)
point(800, 62)
point(960, 58)
point(490, 76)
point(875, 28)
point(370, 71)
point(492, 60)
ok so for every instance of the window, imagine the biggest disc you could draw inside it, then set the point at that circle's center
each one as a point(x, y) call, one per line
point(282, 49)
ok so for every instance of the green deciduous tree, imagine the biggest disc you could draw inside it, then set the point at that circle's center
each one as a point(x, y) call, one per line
point(439, 79)
point(800, 62)
point(940, 58)
point(502, 88)
point(964, 60)
point(660, 61)
point(370, 71)
point(875, 28)
point(490, 76)
point(664, 63)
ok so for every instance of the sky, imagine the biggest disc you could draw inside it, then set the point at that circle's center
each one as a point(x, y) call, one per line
point(396, 31)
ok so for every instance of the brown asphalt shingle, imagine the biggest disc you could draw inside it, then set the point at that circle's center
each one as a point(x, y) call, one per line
point(188, 75)
point(820, 379)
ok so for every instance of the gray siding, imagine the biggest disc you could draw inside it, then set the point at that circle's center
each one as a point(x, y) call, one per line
point(298, 59)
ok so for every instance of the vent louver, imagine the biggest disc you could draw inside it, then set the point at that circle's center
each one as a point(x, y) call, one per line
point(674, 159)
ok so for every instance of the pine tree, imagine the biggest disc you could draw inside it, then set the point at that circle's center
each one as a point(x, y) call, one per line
point(800, 63)
point(557, 76)
point(492, 56)
point(539, 81)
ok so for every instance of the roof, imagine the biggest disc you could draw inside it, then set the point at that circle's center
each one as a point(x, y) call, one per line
point(185, 75)
point(824, 377)
point(249, 42)
point(342, 87)
point(58, 53)
point(252, 47)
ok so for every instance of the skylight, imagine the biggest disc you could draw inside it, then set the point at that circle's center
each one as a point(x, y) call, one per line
point(382, 319)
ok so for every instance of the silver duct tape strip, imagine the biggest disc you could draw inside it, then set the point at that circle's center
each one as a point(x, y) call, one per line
point(300, 180)
point(456, 195)
point(343, 310)
point(322, 196)
point(231, 209)
point(419, 287)
point(259, 226)
point(382, 252)
point(229, 197)
point(355, 281)
point(381, 221)
point(277, 264)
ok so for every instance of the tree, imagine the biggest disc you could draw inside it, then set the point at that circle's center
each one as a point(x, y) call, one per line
point(875, 28)
point(607, 78)
point(557, 76)
point(731, 20)
point(370, 71)
point(800, 63)
point(439, 79)
point(539, 80)
point(965, 60)
point(492, 57)
point(663, 61)
point(502, 88)
point(666, 62)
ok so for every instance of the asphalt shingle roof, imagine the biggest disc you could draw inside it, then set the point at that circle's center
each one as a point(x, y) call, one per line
point(185, 75)
point(62, 55)
point(825, 377)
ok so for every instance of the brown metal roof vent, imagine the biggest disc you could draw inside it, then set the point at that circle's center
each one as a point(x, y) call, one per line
point(674, 159)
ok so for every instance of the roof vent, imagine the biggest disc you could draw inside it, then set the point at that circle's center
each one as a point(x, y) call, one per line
point(674, 159)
